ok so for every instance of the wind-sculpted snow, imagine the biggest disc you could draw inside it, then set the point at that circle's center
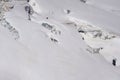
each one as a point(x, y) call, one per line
point(97, 39)
point(62, 40)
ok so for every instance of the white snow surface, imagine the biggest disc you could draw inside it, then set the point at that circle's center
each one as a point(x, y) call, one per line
point(49, 47)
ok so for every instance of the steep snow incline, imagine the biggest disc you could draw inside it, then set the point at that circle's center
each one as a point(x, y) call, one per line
point(112, 6)
point(50, 47)
point(50, 62)
point(97, 39)
point(94, 15)
point(106, 22)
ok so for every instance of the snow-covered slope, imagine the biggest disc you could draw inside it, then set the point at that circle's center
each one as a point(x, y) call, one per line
point(81, 11)
point(108, 5)
point(64, 40)
point(44, 60)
